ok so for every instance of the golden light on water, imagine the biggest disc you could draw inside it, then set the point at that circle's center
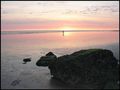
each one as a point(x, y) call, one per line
point(67, 33)
point(65, 28)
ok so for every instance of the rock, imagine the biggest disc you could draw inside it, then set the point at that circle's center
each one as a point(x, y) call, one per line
point(46, 60)
point(92, 68)
point(26, 60)
point(111, 85)
point(50, 54)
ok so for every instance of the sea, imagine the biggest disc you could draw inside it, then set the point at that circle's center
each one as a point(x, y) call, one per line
point(15, 47)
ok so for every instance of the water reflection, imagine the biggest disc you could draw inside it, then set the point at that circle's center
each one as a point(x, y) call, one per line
point(56, 40)
point(15, 47)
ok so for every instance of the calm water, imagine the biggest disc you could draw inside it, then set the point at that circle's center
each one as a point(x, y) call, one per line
point(15, 47)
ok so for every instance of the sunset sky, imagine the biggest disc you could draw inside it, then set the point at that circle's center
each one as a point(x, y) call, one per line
point(59, 15)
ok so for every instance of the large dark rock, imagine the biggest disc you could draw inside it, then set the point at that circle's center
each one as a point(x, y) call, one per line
point(45, 60)
point(92, 68)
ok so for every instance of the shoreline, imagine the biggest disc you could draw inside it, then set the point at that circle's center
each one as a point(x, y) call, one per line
point(30, 73)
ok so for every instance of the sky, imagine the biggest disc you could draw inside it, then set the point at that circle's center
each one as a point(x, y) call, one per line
point(59, 15)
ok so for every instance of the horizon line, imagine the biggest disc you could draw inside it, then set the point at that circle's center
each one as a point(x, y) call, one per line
point(52, 31)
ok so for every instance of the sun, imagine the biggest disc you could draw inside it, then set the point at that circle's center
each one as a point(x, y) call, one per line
point(66, 28)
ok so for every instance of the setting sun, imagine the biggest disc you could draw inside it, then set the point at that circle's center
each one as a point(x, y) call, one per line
point(67, 28)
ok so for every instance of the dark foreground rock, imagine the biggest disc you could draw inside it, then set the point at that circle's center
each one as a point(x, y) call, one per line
point(45, 60)
point(26, 60)
point(89, 69)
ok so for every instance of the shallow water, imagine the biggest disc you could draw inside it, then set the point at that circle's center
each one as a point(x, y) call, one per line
point(14, 48)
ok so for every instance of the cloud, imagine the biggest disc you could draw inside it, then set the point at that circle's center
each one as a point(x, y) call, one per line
point(62, 7)
point(107, 8)
point(28, 21)
point(93, 10)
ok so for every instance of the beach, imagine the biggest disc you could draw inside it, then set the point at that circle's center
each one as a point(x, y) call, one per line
point(16, 75)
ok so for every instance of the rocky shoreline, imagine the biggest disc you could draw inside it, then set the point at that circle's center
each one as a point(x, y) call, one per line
point(87, 69)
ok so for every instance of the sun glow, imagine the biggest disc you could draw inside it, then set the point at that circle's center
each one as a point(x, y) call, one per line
point(67, 28)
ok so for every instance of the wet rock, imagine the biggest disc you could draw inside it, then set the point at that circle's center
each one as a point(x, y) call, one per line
point(26, 60)
point(46, 60)
point(92, 68)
